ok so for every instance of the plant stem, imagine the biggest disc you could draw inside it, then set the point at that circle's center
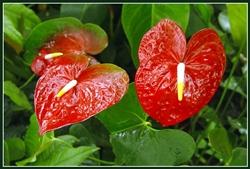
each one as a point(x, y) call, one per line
point(101, 161)
point(229, 79)
point(230, 97)
point(242, 112)
point(27, 82)
point(194, 121)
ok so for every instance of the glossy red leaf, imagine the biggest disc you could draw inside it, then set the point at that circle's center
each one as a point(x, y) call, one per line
point(40, 64)
point(162, 48)
point(74, 44)
point(98, 87)
point(166, 36)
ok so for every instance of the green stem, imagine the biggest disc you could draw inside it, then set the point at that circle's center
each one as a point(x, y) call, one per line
point(229, 79)
point(230, 97)
point(242, 113)
point(101, 161)
point(194, 121)
point(27, 82)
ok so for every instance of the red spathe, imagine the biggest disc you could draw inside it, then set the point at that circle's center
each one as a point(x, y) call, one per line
point(160, 51)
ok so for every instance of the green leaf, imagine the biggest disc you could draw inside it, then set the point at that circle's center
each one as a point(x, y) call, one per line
point(147, 146)
point(44, 31)
point(205, 11)
point(35, 144)
point(8, 76)
point(61, 154)
point(18, 22)
point(202, 144)
point(47, 150)
point(124, 114)
point(68, 139)
point(16, 95)
point(15, 64)
point(219, 140)
point(12, 36)
point(137, 19)
point(234, 84)
point(195, 22)
point(224, 21)
point(16, 148)
point(239, 157)
point(17, 68)
point(14, 130)
point(237, 14)
point(238, 124)
point(92, 13)
point(32, 138)
point(101, 138)
point(6, 154)
point(79, 131)
point(210, 115)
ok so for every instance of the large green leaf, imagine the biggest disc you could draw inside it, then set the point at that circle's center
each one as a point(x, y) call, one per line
point(205, 11)
point(35, 144)
point(79, 131)
point(8, 76)
point(68, 139)
point(200, 18)
point(43, 31)
point(239, 157)
point(147, 146)
point(100, 138)
point(137, 19)
point(16, 95)
point(48, 150)
point(195, 23)
point(6, 154)
point(87, 13)
point(219, 140)
point(16, 148)
point(32, 139)
point(237, 14)
point(61, 154)
point(18, 22)
point(124, 114)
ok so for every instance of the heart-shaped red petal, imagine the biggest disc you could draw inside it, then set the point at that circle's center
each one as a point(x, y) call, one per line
point(156, 78)
point(166, 36)
point(73, 44)
point(98, 87)
point(40, 64)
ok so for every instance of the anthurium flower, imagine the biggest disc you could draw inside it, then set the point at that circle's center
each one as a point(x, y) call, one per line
point(72, 45)
point(73, 86)
point(174, 79)
point(67, 94)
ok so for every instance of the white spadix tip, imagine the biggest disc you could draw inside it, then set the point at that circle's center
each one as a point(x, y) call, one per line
point(66, 88)
point(53, 55)
point(180, 80)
